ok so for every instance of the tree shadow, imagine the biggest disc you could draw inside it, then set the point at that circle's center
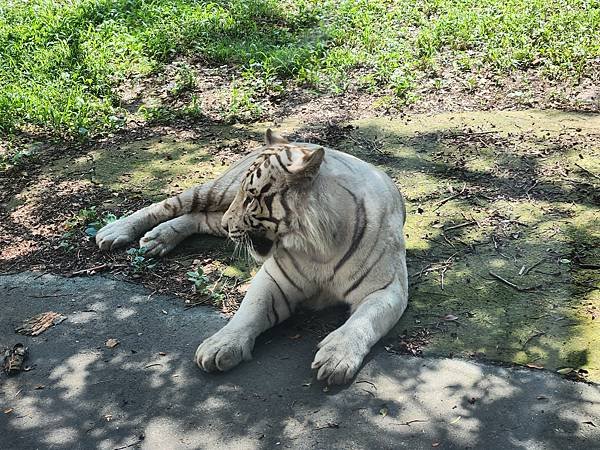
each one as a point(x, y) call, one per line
point(147, 392)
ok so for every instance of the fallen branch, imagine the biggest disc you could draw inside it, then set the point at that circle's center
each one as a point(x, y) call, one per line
point(447, 199)
point(587, 171)
point(513, 285)
point(461, 225)
point(412, 421)
point(534, 266)
point(533, 336)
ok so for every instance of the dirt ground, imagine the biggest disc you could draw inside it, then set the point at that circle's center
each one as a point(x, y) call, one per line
point(503, 228)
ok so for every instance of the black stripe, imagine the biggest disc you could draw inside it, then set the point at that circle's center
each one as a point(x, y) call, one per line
point(286, 276)
point(222, 196)
point(267, 219)
point(194, 206)
point(287, 302)
point(268, 201)
point(361, 278)
point(294, 263)
point(269, 319)
point(274, 309)
point(286, 208)
point(179, 201)
point(278, 158)
point(359, 230)
point(209, 194)
point(382, 288)
point(366, 260)
point(265, 188)
point(174, 229)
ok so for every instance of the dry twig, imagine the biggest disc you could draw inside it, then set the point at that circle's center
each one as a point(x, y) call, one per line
point(513, 285)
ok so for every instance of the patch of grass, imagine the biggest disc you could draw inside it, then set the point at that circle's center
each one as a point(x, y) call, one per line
point(61, 61)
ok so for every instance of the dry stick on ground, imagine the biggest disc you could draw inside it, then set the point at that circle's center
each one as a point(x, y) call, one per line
point(587, 171)
point(530, 188)
point(447, 199)
point(100, 267)
point(412, 421)
point(513, 285)
point(533, 336)
point(460, 225)
point(534, 266)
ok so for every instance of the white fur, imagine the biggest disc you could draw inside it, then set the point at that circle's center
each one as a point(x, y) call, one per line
point(308, 263)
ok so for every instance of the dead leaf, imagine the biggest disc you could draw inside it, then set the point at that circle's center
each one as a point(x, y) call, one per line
point(565, 370)
point(534, 366)
point(111, 343)
point(450, 317)
point(541, 397)
point(455, 420)
point(435, 444)
point(162, 353)
point(39, 387)
point(587, 422)
point(383, 411)
point(9, 410)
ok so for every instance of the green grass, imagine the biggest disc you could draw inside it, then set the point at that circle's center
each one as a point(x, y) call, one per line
point(61, 60)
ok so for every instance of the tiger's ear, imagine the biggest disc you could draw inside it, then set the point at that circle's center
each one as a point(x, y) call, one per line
point(306, 167)
point(273, 138)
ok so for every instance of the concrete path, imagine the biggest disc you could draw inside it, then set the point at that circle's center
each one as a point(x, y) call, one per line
point(147, 393)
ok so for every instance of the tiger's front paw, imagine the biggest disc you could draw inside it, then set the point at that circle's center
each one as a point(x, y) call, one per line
point(161, 240)
point(224, 350)
point(339, 357)
point(115, 234)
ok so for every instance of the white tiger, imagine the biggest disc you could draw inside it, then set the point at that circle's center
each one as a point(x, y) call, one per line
point(327, 227)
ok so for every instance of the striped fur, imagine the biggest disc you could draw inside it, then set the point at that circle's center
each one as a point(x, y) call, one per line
point(327, 227)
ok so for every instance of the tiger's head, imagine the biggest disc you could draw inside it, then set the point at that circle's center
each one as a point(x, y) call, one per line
point(266, 208)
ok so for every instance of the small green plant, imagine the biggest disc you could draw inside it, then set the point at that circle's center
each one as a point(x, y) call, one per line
point(156, 114)
point(89, 218)
point(87, 221)
point(66, 242)
point(242, 104)
point(18, 158)
point(202, 286)
point(138, 260)
point(185, 81)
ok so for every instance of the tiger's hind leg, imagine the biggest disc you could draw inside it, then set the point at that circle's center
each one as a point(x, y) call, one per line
point(163, 238)
point(214, 196)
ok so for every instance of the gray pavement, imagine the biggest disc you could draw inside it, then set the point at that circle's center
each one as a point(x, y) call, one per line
point(147, 393)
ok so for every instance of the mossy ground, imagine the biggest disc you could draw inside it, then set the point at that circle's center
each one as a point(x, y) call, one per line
point(520, 205)
point(509, 193)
